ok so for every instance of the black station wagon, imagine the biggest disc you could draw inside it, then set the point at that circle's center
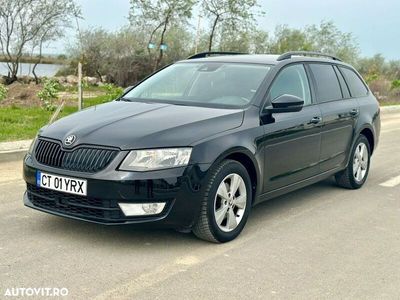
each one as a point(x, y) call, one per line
point(197, 144)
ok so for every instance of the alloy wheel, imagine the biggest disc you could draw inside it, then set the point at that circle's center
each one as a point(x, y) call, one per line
point(230, 202)
point(360, 162)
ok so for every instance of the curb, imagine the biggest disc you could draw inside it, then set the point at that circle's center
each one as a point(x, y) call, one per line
point(13, 151)
point(12, 155)
point(390, 108)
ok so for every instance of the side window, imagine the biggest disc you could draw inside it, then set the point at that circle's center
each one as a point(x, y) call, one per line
point(357, 87)
point(327, 84)
point(343, 85)
point(291, 80)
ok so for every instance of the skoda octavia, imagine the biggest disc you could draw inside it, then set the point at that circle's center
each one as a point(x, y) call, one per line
point(199, 143)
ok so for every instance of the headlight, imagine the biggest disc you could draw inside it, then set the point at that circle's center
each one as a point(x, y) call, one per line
point(156, 159)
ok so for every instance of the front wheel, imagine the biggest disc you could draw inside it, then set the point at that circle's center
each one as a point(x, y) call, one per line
point(226, 203)
point(356, 173)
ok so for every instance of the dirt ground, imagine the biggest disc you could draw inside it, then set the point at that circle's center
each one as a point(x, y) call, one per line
point(25, 95)
point(21, 94)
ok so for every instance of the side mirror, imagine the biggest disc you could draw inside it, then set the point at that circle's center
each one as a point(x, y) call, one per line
point(285, 103)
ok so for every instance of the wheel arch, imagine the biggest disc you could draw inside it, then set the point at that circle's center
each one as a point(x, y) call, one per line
point(247, 159)
point(366, 130)
point(368, 133)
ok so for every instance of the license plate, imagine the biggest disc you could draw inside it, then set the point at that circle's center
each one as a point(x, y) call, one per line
point(61, 183)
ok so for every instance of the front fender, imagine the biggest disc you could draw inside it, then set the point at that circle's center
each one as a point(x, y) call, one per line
point(245, 140)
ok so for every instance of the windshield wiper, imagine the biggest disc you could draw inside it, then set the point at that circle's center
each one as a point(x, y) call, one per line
point(124, 99)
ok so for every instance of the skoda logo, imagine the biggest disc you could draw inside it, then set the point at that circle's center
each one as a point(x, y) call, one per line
point(69, 140)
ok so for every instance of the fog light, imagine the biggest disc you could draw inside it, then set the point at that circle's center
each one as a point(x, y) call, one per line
point(142, 209)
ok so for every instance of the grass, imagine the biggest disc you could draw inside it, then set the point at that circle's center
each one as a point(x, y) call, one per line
point(388, 103)
point(86, 88)
point(20, 123)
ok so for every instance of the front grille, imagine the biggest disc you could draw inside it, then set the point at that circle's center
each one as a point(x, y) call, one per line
point(82, 159)
point(73, 205)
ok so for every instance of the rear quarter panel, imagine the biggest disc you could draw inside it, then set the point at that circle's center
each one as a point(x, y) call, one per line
point(369, 117)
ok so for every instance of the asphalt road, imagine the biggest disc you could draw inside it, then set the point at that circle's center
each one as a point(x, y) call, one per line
point(319, 242)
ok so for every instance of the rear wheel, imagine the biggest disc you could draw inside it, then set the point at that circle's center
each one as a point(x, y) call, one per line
point(356, 173)
point(226, 203)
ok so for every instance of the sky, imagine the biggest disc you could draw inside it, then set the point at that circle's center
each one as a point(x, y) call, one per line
point(374, 24)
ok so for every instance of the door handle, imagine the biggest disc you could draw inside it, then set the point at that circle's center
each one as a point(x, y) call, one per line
point(354, 112)
point(316, 120)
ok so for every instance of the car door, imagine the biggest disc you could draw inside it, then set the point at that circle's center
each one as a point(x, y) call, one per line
point(339, 114)
point(291, 140)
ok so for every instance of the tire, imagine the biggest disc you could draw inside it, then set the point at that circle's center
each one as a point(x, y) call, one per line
point(225, 175)
point(349, 178)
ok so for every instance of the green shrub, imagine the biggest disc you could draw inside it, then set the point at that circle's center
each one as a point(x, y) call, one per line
point(396, 84)
point(66, 70)
point(49, 93)
point(371, 77)
point(85, 85)
point(112, 91)
point(3, 92)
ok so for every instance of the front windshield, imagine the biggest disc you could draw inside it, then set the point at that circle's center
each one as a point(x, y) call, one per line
point(210, 84)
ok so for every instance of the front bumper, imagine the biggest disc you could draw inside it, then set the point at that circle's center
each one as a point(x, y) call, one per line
point(180, 188)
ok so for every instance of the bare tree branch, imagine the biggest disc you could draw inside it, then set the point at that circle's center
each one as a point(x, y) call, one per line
point(31, 22)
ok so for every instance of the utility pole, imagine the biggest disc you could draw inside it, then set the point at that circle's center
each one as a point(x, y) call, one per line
point(197, 35)
point(80, 100)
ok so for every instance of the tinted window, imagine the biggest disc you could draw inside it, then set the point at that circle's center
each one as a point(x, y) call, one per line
point(293, 81)
point(328, 87)
point(212, 84)
point(357, 87)
point(343, 85)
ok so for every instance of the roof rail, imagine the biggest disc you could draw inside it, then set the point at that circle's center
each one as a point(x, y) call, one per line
point(289, 54)
point(213, 53)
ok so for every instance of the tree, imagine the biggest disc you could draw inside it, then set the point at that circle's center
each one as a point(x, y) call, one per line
point(47, 34)
point(288, 39)
point(234, 13)
point(121, 56)
point(372, 68)
point(393, 69)
point(93, 51)
point(157, 16)
point(179, 41)
point(25, 21)
point(111, 54)
point(126, 59)
point(259, 42)
point(327, 38)
point(234, 40)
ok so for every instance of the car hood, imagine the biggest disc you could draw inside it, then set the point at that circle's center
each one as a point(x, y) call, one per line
point(135, 125)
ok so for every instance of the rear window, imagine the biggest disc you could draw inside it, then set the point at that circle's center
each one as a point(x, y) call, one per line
point(328, 88)
point(356, 86)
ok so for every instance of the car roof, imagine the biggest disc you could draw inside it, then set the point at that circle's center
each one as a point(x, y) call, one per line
point(269, 59)
point(266, 59)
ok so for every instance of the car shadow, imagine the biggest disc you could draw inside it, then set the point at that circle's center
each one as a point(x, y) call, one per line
point(296, 198)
